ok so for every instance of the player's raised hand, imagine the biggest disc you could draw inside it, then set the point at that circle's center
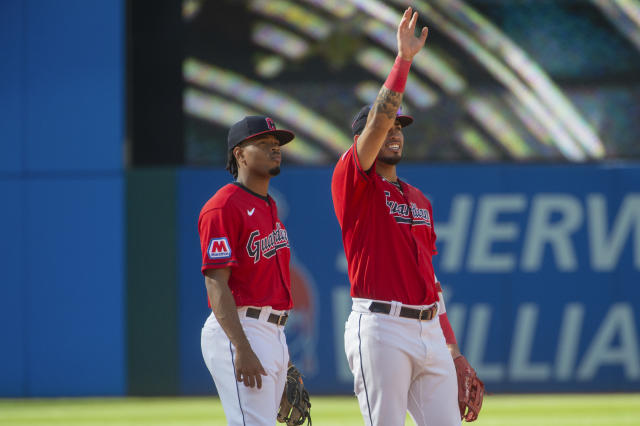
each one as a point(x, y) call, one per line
point(408, 44)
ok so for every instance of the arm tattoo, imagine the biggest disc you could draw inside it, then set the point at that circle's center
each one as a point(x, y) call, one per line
point(387, 102)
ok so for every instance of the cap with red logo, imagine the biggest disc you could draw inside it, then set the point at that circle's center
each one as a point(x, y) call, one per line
point(255, 125)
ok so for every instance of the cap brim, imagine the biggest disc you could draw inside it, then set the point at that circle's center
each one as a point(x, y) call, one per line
point(405, 120)
point(361, 121)
point(283, 136)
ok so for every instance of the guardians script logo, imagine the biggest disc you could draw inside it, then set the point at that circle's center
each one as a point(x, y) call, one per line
point(268, 245)
point(400, 212)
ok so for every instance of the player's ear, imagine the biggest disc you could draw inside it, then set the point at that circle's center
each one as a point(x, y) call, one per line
point(238, 154)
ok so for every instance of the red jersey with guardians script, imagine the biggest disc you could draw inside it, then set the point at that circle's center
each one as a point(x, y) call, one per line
point(241, 230)
point(388, 235)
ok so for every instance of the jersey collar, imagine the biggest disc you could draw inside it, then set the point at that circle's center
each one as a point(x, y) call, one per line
point(255, 194)
point(400, 185)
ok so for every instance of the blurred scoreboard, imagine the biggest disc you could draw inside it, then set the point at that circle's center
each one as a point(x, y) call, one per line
point(498, 81)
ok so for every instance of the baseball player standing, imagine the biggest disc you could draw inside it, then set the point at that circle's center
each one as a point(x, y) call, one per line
point(245, 261)
point(399, 343)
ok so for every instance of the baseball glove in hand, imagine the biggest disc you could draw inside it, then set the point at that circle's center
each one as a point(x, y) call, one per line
point(294, 405)
point(470, 389)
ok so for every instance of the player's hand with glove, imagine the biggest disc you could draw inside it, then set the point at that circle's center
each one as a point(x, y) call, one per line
point(295, 405)
point(470, 389)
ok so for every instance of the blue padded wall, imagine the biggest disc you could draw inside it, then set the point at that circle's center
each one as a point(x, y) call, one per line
point(61, 186)
point(74, 85)
point(75, 274)
point(11, 86)
point(13, 319)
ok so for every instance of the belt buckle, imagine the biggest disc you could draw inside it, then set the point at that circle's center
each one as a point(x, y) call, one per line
point(281, 317)
point(431, 309)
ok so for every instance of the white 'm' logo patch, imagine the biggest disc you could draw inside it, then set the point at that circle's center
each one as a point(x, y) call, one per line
point(219, 248)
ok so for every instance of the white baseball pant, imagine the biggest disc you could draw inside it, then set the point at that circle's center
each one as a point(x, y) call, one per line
point(400, 364)
point(244, 405)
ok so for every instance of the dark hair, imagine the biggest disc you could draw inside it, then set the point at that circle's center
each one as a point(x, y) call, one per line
point(232, 165)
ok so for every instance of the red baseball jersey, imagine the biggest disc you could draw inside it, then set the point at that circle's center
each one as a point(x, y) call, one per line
point(388, 235)
point(241, 230)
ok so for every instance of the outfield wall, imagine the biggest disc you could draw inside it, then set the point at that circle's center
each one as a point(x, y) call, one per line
point(540, 265)
point(62, 229)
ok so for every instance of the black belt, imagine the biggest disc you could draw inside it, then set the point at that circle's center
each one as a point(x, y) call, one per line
point(405, 312)
point(273, 318)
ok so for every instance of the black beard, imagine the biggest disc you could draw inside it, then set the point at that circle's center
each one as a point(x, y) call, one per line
point(275, 171)
point(392, 161)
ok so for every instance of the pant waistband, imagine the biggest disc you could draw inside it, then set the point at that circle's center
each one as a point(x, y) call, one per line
point(279, 319)
point(421, 313)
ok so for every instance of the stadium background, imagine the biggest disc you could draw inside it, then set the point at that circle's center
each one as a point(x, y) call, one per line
point(113, 124)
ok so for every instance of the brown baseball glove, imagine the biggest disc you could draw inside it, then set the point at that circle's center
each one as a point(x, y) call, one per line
point(470, 390)
point(295, 405)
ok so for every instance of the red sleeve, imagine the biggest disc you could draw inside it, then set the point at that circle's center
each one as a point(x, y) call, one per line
point(349, 182)
point(449, 336)
point(218, 239)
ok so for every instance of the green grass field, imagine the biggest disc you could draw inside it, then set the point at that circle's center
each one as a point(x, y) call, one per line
point(520, 410)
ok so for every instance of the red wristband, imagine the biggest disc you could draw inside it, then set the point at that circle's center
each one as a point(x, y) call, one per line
point(398, 76)
point(449, 337)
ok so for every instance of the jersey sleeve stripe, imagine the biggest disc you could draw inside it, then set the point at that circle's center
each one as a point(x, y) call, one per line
point(220, 263)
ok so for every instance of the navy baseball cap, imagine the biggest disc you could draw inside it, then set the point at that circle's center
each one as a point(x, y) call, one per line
point(255, 125)
point(360, 120)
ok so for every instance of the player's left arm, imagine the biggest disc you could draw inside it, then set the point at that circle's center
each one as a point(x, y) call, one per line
point(447, 330)
point(454, 349)
point(470, 387)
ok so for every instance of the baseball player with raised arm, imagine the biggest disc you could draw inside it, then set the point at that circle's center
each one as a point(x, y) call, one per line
point(245, 261)
point(399, 343)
